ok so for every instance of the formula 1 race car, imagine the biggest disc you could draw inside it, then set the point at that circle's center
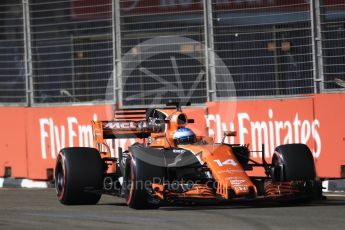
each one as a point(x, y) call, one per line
point(172, 165)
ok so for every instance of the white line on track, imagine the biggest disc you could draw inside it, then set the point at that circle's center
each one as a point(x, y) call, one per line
point(335, 194)
point(33, 184)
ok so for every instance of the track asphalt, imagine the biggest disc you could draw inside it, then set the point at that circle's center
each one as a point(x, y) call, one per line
point(39, 209)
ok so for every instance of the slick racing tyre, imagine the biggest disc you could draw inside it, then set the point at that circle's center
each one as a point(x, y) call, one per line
point(136, 184)
point(78, 175)
point(293, 162)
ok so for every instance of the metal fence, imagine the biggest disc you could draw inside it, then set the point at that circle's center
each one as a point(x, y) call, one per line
point(12, 53)
point(143, 52)
point(266, 47)
point(333, 44)
point(71, 48)
point(162, 54)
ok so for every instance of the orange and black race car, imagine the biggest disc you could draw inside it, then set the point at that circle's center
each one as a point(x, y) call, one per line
point(172, 165)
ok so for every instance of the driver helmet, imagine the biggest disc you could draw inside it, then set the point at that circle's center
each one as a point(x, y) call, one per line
point(184, 136)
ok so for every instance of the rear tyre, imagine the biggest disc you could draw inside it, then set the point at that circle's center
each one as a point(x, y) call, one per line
point(137, 182)
point(78, 175)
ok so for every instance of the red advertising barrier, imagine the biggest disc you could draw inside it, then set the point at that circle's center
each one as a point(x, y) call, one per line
point(13, 145)
point(317, 121)
point(32, 137)
point(268, 122)
point(330, 111)
point(51, 129)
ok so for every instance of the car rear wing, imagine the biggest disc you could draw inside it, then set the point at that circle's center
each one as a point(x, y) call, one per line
point(120, 129)
point(129, 123)
point(130, 115)
point(135, 123)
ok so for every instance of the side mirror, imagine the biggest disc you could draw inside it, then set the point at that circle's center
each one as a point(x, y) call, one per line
point(229, 134)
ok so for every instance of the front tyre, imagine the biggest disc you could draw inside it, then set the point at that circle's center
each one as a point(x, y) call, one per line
point(78, 175)
point(137, 182)
point(295, 162)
